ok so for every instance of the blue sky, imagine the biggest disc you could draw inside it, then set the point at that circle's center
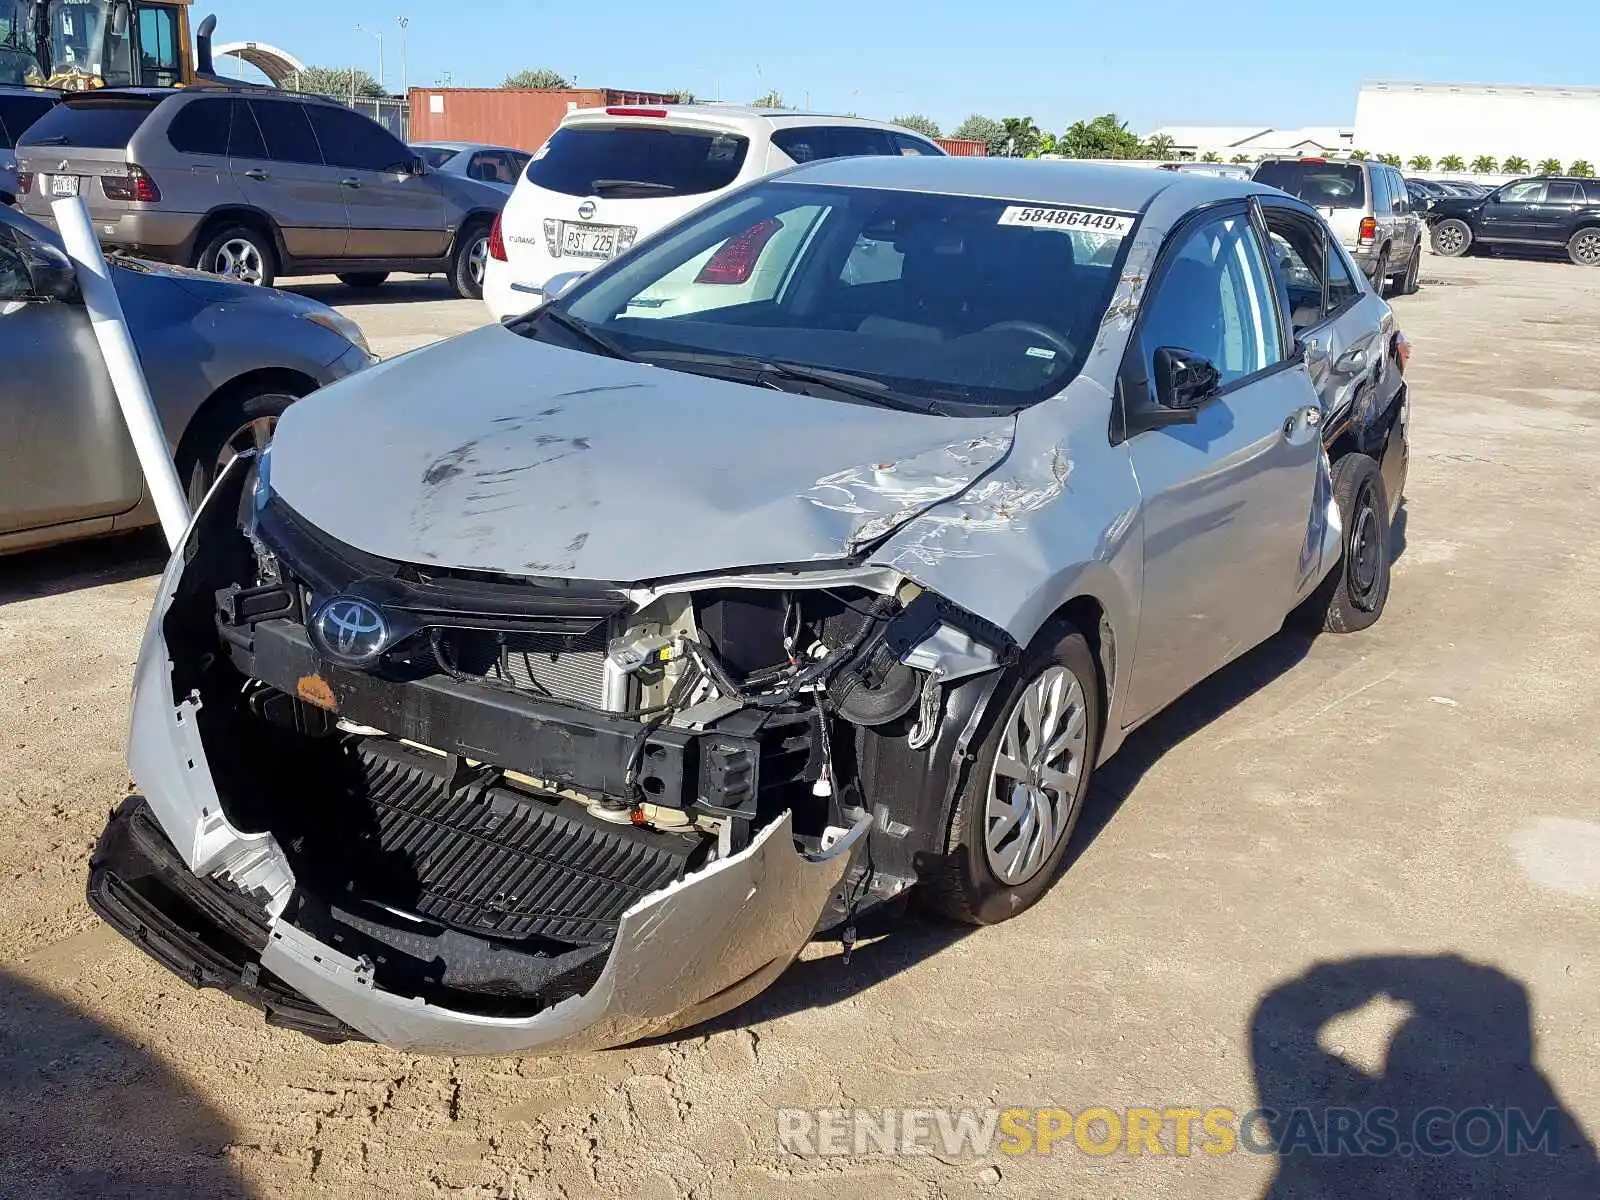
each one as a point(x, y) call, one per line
point(1153, 62)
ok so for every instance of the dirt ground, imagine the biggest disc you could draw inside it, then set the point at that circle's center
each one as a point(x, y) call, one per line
point(1362, 871)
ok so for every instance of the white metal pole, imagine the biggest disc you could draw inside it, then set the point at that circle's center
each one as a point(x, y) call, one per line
point(122, 362)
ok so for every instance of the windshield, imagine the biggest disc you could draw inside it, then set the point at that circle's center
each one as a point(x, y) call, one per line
point(963, 302)
point(636, 161)
point(17, 61)
point(1320, 184)
point(436, 156)
point(79, 43)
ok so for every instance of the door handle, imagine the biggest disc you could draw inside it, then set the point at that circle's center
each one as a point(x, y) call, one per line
point(351, 183)
point(256, 173)
point(1309, 417)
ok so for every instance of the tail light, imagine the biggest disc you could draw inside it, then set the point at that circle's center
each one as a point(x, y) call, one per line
point(636, 112)
point(736, 261)
point(497, 241)
point(136, 185)
point(24, 182)
point(1369, 228)
point(1402, 351)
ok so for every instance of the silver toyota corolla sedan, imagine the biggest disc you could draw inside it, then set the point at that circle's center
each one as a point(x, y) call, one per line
point(500, 166)
point(550, 687)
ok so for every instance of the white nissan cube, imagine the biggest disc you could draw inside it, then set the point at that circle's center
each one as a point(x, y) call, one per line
point(610, 176)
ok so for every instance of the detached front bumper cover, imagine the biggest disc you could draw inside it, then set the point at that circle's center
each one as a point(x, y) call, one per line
point(209, 901)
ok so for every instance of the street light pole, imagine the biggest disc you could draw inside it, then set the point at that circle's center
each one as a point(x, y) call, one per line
point(405, 68)
point(374, 33)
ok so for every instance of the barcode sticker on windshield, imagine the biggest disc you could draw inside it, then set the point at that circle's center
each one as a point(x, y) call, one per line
point(1068, 219)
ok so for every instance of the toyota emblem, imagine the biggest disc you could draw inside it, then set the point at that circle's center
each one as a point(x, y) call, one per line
point(351, 631)
point(586, 210)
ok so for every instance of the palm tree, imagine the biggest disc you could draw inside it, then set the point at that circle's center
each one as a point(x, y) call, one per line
point(1452, 162)
point(1358, 156)
point(1389, 160)
point(1211, 156)
point(1549, 166)
point(1022, 137)
point(1582, 169)
point(1484, 164)
point(1421, 162)
point(1159, 145)
point(1515, 165)
point(1242, 159)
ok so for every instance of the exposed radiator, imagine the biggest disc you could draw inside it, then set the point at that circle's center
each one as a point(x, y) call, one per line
point(568, 668)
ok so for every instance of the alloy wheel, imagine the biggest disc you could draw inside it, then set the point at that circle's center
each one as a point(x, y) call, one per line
point(239, 260)
point(478, 260)
point(1451, 240)
point(1037, 768)
point(1586, 248)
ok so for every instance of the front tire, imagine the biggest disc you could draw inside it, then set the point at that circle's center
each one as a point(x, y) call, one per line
point(1584, 248)
point(470, 261)
point(226, 428)
point(1025, 788)
point(1353, 596)
point(1452, 238)
point(240, 253)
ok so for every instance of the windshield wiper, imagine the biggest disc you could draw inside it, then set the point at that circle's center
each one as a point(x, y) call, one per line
point(601, 186)
point(764, 371)
point(585, 331)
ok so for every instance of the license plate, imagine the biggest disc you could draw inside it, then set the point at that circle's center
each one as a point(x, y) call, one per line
point(589, 241)
point(63, 185)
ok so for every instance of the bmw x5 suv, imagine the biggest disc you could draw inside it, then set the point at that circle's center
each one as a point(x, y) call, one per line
point(253, 184)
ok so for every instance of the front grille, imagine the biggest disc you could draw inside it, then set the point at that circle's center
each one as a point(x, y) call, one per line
point(494, 861)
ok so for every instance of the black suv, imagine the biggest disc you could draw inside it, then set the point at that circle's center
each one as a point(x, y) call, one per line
point(1549, 212)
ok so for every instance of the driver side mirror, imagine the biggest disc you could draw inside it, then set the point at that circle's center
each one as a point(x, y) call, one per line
point(1184, 381)
point(53, 275)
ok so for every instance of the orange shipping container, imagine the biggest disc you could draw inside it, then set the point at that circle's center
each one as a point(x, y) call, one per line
point(501, 117)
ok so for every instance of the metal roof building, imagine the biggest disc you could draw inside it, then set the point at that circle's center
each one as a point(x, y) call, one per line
point(1472, 119)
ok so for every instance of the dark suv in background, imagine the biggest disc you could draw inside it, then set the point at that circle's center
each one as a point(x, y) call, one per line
point(254, 184)
point(1551, 212)
point(20, 107)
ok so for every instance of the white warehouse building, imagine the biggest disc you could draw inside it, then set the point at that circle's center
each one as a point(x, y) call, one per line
point(1472, 119)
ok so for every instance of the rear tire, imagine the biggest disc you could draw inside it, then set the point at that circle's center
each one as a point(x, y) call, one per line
point(364, 280)
point(1354, 594)
point(225, 428)
point(241, 253)
point(1020, 802)
point(1452, 238)
point(1380, 274)
point(1412, 283)
point(1584, 248)
point(470, 261)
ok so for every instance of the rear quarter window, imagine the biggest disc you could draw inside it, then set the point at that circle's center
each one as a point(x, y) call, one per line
point(17, 116)
point(101, 124)
point(637, 161)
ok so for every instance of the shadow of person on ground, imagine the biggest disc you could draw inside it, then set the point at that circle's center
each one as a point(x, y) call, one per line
point(84, 1112)
point(1466, 1044)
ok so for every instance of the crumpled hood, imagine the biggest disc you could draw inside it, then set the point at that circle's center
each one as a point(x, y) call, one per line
point(494, 452)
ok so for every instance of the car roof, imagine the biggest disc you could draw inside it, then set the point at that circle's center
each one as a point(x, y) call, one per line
point(1097, 185)
point(732, 116)
point(23, 89)
point(461, 146)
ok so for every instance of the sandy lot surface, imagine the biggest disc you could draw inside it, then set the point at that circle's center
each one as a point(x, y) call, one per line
point(1364, 871)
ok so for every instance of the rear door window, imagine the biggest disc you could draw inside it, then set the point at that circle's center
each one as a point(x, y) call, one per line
point(1561, 193)
point(350, 140)
point(810, 143)
point(201, 127)
point(17, 115)
point(244, 136)
point(103, 123)
point(287, 131)
point(1321, 185)
point(637, 161)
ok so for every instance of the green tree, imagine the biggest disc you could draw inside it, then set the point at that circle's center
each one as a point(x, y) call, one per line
point(1358, 156)
point(770, 100)
point(1158, 145)
point(1103, 137)
point(1452, 162)
point(1390, 160)
point(1582, 169)
point(1022, 137)
point(539, 79)
point(1049, 144)
point(1240, 160)
point(1549, 166)
point(979, 128)
point(1211, 156)
point(918, 123)
point(1515, 165)
point(1485, 164)
point(1421, 162)
point(333, 81)
point(686, 96)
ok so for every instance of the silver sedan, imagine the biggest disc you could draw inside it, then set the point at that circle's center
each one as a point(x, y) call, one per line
point(499, 166)
point(819, 548)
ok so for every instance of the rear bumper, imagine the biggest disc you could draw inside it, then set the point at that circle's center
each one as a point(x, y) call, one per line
point(506, 295)
point(149, 233)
